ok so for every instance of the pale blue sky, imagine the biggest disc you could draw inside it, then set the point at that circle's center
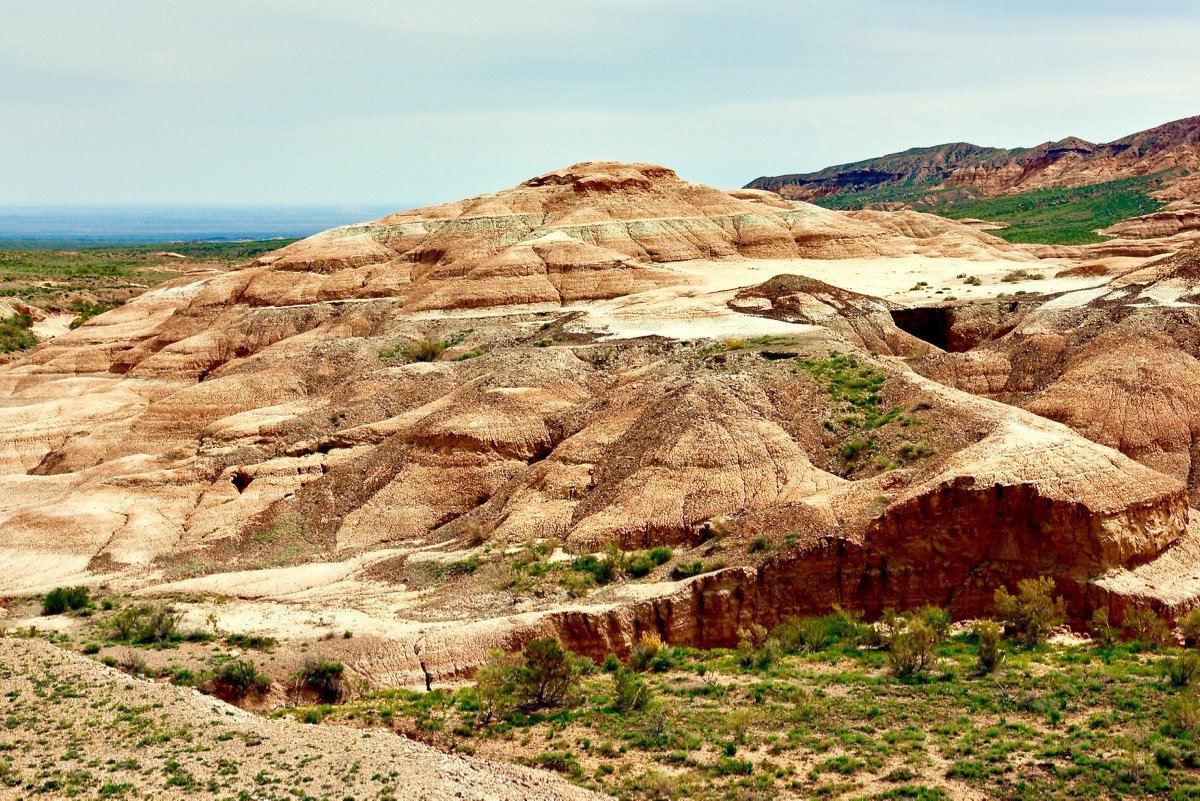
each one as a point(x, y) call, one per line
point(409, 102)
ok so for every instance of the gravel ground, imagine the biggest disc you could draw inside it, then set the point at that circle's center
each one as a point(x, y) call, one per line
point(76, 729)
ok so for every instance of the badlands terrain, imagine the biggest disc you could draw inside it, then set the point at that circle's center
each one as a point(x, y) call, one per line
point(406, 442)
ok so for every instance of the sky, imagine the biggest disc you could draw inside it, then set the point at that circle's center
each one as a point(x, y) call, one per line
point(408, 102)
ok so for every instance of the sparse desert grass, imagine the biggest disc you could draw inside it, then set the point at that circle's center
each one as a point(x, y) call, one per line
point(71, 729)
point(429, 348)
point(857, 415)
point(824, 716)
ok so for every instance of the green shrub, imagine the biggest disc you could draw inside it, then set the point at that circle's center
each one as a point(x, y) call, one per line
point(183, 677)
point(660, 555)
point(1107, 635)
point(496, 684)
point(1183, 713)
point(911, 639)
point(1181, 669)
point(815, 634)
point(559, 762)
point(687, 570)
point(911, 648)
point(314, 714)
point(544, 675)
point(238, 677)
point(256, 641)
point(602, 569)
point(644, 651)
point(639, 565)
point(62, 599)
point(1033, 611)
point(937, 619)
point(87, 311)
point(990, 651)
point(149, 624)
point(911, 451)
point(1189, 627)
point(322, 676)
point(15, 333)
point(756, 650)
point(1143, 625)
point(425, 349)
point(630, 692)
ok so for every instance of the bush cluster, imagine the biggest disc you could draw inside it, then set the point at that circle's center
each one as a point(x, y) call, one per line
point(322, 676)
point(237, 678)
point(62, 599)
point(542, 675)
point(1033, 611)
point(148, 624)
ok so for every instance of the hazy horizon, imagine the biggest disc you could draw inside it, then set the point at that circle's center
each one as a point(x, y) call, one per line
point(270, 103)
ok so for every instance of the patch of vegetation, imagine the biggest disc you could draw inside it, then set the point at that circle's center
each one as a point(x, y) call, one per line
point(258, 642)
point(1067, 216)
point(323, 677)
point(15, 333)
point(1033, 611)
point(542, 675)
point(148, 624)
point(831, 707)
point(236, 678)
point(426, 349)
point(87, 311)
point(857, 412)
point(727, 345)
point(686, 570)
point(63, 599)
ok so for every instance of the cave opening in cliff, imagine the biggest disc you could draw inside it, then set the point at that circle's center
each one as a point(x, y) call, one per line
point(928, 323)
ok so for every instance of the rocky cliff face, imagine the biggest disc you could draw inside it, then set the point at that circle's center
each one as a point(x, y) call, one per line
point(1173, 148)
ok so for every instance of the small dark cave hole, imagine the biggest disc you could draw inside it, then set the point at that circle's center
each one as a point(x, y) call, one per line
point(241, 480)
point(928, 323)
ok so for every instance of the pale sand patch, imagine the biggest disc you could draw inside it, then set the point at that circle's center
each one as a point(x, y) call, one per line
point(52, 325)
point(698, 310)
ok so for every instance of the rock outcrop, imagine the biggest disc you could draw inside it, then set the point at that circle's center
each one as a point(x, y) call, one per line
point(1116, 363)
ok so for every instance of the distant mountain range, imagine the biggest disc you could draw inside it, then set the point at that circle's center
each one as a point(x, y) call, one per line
point(945, 174)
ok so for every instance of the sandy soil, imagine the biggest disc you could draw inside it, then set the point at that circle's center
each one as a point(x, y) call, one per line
point(697, 310)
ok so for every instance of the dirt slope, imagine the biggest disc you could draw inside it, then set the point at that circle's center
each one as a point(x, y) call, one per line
point(68, 714)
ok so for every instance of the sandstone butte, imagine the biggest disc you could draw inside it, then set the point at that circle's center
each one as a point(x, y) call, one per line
point(818, 407)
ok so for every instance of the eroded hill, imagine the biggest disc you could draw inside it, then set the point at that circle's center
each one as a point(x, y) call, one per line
point(430, 427)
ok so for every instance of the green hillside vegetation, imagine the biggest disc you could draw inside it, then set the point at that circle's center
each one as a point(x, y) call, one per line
point(125, 259)
point(1060, 216)
point(84, 279)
